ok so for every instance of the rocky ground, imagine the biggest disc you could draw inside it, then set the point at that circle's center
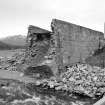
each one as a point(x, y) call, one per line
point(13, 92)
point(12, 63)
point(80, 84)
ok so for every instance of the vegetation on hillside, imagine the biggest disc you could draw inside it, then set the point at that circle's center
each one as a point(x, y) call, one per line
point(4, 46)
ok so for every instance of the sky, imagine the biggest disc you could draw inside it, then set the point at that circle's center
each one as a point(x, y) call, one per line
point(17, 15)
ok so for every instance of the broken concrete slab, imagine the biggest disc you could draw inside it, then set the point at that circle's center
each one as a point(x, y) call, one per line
point(38, 43)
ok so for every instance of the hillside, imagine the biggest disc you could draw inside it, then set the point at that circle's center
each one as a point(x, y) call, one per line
point(4, 46)
point(18, 40)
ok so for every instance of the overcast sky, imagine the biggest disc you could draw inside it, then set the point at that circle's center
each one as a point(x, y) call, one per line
point(16, 15)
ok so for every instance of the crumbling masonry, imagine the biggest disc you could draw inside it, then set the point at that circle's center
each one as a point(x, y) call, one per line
point(66, 44)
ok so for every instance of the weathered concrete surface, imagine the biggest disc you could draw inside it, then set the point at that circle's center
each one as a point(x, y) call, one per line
point(40, 46)
point(98, 59)
point(38, 43)
point(76, 43)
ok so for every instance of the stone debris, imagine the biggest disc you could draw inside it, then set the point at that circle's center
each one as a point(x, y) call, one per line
point(78, 78)
point(17, 93)
point(38, 44)
point(81, 79)
point(12, 63)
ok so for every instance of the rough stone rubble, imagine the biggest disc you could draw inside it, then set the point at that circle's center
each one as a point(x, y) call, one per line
point(12, 63)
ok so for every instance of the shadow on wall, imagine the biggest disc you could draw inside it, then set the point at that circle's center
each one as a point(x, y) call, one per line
point(40, 72)
point(98, 58)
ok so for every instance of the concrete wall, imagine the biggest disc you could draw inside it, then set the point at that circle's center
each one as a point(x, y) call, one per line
point(38, 43)
point(76, 43)
point(72, 44)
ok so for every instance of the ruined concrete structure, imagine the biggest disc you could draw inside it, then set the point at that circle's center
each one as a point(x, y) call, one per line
point(38, 43)
point(76, 43)
point(72, 43)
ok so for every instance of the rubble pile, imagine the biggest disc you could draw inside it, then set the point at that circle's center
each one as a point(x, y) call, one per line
point(12, 63)
point(78, 78)
point(81, 79)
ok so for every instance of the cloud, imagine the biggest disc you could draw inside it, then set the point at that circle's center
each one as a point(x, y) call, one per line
point(16, 15)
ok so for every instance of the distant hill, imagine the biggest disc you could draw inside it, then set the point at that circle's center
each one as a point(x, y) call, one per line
point(4, 46)
point(18, 40)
